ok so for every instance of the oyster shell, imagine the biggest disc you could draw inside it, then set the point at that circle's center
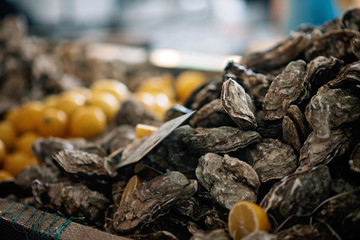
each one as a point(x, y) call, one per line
point(329, 109)
point(298, 194)
point(81, 164)
point(152, 199)
point(321, 151)
point(72, 199)
point(279, 55)
point(238, 104)
point(332, 44)
point(354, 161)
point(271, 159)
point(228, 179)
point(211, 115)
point(220, 140)
point(287, 88)
point(295, 128)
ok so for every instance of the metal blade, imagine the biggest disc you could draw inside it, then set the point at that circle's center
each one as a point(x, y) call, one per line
point(154, 140)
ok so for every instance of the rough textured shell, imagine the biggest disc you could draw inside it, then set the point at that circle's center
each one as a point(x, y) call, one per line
point(355, 159)
point(351, 19)
point(331, 108)
point(271, 159)
point(132, 113)
point(321, 70)
point(172, 154)
point(211, 115)
point(208, 93)
point(228, 179)
point(322, 151)
point(295, 128)
point(278, 56)
point(238, 104)
point(287, 88)
point(152, 199)
point(291, 135)
point(341, 213)
point(298, 194)
point(355, 47)
point(72, 199)
point(255, 84)
point(334, 43)
point(220, 140)
point(301, 232)
point(79, 162)
point(219, 234)
point(349, 77)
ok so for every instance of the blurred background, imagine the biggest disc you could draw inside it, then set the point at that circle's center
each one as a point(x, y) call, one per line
point(214, 28)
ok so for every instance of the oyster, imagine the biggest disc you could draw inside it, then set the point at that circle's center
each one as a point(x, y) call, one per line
point(211, 115)
point(132, 113)
point(329, 109)
point(271, 159)
point(152, 199)
point(228, 179)
point(238, 104)
point(332, 44)
point(321, 70)
point(220, 140)
point(255, 84)
point(206, 94)
point(321, 151)
point(341, 212)
point(349, 77)
point(351, 20)
point(81, 164)
point(287, 88)
point(298, 194)
point(295, 128)
point(72, 199)
point(279, 55)
point(354, 161)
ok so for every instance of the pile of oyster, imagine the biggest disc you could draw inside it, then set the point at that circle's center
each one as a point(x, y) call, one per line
point(281, 128)
point(32, 67)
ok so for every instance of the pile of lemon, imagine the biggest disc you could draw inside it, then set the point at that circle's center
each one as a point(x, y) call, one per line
point(83, 112)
